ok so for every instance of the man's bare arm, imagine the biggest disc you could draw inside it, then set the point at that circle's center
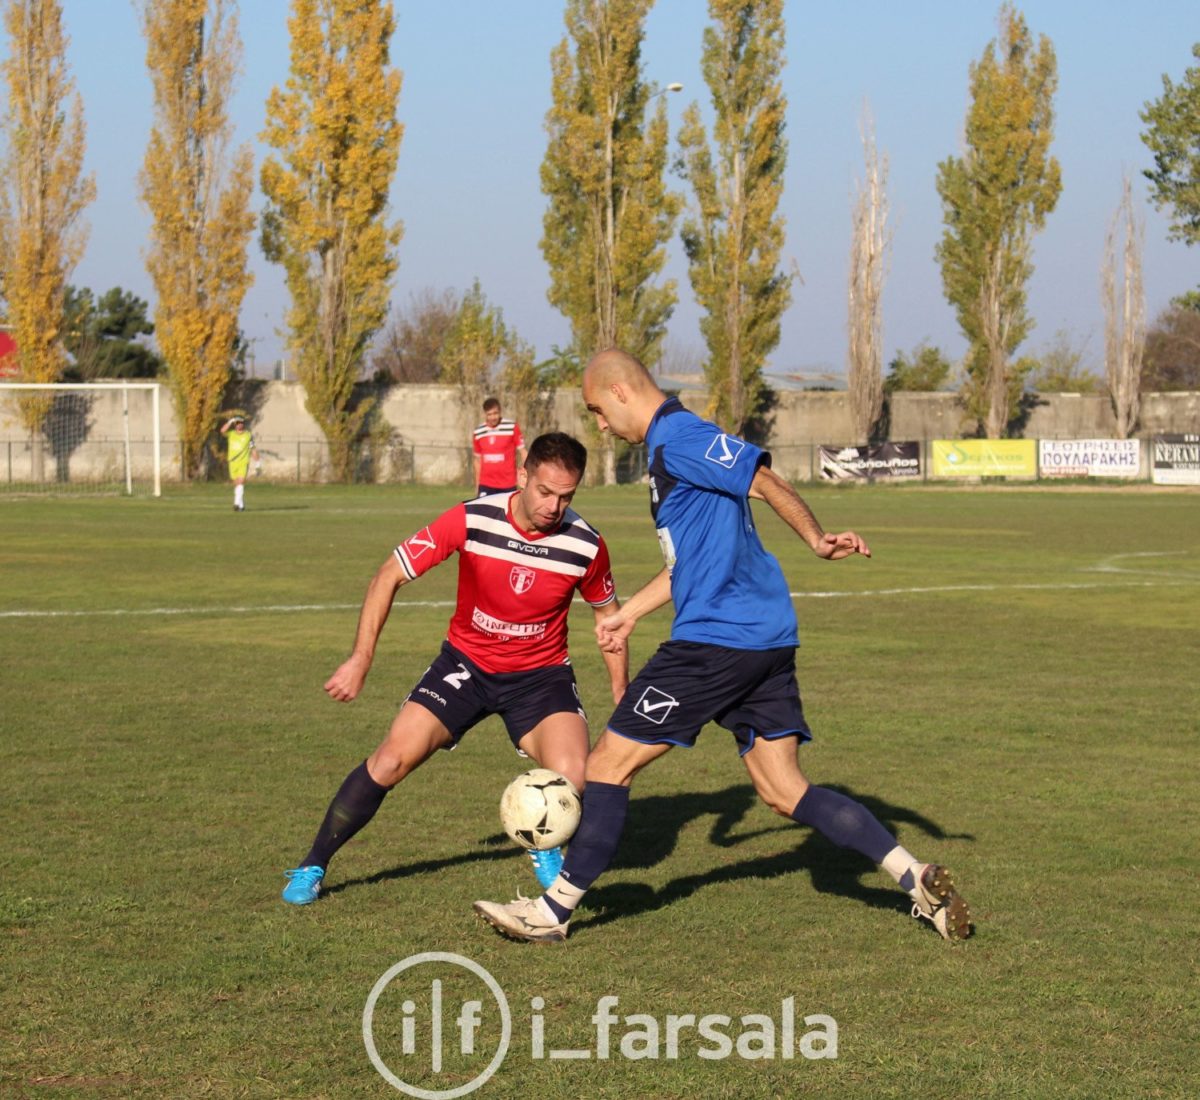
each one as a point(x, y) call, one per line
point(791, 508)
point(616, 660)
point(345, 684)
point(613, 629)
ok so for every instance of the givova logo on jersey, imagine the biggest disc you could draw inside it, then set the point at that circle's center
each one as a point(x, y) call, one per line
point(521, 579)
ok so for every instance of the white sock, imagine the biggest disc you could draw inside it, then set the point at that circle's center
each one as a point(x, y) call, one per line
point(239, 493)
point(564, 894)
point(899, 862)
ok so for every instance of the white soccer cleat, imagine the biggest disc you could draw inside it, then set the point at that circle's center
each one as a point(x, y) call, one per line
point(522, 919)
point(936, 900)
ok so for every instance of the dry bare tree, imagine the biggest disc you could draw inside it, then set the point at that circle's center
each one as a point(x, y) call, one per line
point(868, 260)
point(410, 348)
point(1124, 312)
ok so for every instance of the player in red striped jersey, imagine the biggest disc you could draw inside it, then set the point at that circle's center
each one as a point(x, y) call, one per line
point(497, 450)
point(521, 557)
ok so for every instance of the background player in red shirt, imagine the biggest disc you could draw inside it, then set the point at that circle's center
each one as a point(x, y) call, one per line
point(499, 450)
point(521, 558)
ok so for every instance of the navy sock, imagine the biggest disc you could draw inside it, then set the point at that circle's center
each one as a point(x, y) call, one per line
point(847, 823)
point(595, 841)
point(352, 807)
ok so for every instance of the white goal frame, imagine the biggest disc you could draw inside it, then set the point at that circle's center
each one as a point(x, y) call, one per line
point(108, 387)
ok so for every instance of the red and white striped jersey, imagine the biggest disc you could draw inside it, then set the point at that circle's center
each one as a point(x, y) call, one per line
point(514, 587)
point(497, 449)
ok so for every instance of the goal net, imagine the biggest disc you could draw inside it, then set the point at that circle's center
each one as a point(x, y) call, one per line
point(85, 437)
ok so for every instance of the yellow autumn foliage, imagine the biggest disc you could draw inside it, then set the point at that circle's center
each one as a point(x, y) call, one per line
point(43, 193)
point(198, 194)
point(336, 138)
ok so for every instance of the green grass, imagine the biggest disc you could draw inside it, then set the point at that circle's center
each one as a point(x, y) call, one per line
point(1027, 715)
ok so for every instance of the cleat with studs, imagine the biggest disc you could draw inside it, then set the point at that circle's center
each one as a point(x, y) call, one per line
point(936, 900)
point(522, 920)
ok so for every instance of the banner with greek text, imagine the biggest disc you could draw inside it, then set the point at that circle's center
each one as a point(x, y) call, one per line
point(1175, 460)
point(1089, 457)
point(984, 457)
point(864, 463)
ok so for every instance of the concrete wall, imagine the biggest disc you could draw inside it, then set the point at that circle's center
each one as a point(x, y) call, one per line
point(431, 441)
point(1053, 416)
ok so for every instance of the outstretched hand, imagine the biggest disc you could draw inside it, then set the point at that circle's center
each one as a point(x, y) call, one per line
point(835, 547)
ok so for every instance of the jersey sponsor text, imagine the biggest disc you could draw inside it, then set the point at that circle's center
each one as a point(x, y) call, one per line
point(490, 625)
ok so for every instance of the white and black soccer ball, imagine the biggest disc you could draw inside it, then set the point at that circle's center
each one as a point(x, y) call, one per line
point(540, 809)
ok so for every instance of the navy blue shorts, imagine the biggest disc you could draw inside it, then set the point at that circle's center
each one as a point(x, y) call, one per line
point(752, 693)
point(462, 695)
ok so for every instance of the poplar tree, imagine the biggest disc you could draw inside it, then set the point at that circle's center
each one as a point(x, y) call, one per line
point(1172, 134)
point(334, 129)
point(1124, 312)
point(994, 198)
point(870, 239)
point(734, 234)
point(198, 196)
point(42, 197)
point(609, 214)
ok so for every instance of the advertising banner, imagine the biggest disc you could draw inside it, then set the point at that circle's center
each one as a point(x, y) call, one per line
point(880, 460)
point(1089, 457)
point(984, 457)
point(1175, 460)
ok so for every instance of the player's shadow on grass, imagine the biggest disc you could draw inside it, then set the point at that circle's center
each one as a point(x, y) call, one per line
point(654, 827)
point(495, 847)
point(649, 839)
point(654, 824)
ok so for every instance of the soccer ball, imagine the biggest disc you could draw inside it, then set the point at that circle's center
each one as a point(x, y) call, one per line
point(540, 809)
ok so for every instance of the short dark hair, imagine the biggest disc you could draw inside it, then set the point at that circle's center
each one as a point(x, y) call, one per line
point(491, 403)
point(560, 448)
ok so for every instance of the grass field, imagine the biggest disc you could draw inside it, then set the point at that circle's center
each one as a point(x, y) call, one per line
point(1012, 683)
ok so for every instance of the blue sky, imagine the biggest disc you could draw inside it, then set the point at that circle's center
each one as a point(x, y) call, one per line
point(476, 88)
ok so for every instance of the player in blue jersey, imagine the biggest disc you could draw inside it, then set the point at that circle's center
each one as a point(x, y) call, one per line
point(730, 657)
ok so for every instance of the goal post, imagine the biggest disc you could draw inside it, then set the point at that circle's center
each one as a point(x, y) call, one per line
point(88, 437)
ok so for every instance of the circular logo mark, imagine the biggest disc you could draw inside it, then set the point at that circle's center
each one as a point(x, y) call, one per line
point(445, 957)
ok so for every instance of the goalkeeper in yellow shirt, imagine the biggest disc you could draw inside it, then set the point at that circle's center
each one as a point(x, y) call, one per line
point(240, 449)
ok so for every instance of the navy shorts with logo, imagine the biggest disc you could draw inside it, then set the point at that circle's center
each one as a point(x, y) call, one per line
point(752, 693)
point(462, 695)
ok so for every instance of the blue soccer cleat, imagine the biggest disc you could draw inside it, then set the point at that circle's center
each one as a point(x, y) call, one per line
point(304, 885)
point(546, 865)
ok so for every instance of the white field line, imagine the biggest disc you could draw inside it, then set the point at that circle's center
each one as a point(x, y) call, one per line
point(991, 588)
point(1109, 564)
point(284, 609)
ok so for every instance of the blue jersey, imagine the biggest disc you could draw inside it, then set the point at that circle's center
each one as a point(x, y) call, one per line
point(726, 588)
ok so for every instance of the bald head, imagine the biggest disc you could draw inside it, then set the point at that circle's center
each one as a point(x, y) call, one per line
point(614, 365)
point(621, 393)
